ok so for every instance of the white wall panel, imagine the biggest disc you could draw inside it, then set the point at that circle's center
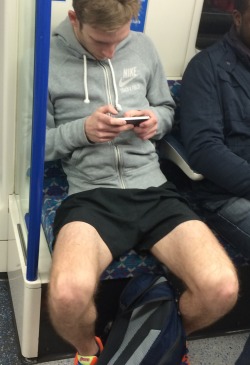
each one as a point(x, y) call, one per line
point(8, 66)
point(170, 24)
point(59, 11)
point(24, 99)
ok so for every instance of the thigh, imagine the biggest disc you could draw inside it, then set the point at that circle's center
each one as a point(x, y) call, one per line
point(161, 209)
point(232, 221)
point(193, 254)
point(79, 253)
point(110, 211)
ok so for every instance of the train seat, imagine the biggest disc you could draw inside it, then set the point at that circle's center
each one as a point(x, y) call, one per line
point(55, 190)
point(55, 182)
point(119, 271)
point(174, 164)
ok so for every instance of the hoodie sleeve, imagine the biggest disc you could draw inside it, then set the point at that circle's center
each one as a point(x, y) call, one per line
point(161, 103)
point(63, 139)
point(159, 97)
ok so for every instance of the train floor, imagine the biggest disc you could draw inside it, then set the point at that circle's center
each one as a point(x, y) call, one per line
point(209, 351)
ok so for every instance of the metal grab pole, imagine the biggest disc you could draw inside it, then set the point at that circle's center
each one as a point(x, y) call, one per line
point(41, 72)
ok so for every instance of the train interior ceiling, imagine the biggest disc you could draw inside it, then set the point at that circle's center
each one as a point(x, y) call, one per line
point(23, 301)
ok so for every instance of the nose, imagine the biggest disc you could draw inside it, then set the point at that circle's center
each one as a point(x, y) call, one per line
point(109, 51)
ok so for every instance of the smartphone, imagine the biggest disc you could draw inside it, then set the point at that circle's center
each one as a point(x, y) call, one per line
point(136, 120)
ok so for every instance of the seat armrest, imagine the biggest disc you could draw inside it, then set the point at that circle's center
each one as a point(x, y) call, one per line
point(171, 149)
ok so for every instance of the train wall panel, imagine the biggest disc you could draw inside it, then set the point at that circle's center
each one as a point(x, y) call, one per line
point(8, 72)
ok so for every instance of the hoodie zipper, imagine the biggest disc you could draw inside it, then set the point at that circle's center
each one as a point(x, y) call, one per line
point(118, 164)
point(115, 147)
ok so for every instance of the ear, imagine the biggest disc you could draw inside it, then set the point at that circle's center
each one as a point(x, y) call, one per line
point(237, 18)
point(72, 17)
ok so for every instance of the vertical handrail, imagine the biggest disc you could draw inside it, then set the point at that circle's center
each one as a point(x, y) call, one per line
point(40, 95)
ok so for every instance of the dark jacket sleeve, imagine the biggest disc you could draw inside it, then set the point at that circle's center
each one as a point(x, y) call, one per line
point(202, 129)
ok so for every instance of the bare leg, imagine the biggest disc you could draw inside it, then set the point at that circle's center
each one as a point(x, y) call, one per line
point(79, 258)
point(194, 255)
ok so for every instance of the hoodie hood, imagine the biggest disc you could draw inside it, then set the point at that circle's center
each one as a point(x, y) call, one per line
point(66, 34)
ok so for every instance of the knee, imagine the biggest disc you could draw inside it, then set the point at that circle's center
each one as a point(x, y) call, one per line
point(221, 292)
point(68, 293)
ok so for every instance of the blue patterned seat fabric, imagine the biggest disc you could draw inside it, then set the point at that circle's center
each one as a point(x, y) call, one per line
point(55, 190)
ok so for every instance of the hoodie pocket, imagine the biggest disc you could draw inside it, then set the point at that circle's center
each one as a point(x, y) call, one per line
point(94, 163)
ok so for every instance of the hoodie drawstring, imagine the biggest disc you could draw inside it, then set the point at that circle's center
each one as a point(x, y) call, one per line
point(117, 105)
point(85, 80)
point(85, 83)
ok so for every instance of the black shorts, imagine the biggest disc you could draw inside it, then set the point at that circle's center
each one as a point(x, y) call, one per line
point(127, 218)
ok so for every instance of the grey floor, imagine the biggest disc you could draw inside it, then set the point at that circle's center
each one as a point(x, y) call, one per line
point(218, 350)
point(212, 351)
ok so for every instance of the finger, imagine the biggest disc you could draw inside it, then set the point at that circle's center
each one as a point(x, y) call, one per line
point(148, 135)
point(145, 133)
point(107, 109)
point(134, 113)
point(117, 121)
point(113, 130)
point(106, 137)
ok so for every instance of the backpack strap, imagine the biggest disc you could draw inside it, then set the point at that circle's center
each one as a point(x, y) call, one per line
point(144, 288)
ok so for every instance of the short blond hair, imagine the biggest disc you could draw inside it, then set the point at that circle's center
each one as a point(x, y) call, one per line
point(106, 14)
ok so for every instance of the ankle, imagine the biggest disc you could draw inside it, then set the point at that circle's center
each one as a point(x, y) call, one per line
point(81, 359)
point(95, 350)
point(89, 350)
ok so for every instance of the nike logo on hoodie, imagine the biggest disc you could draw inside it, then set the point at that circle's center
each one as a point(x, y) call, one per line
point(129, 74)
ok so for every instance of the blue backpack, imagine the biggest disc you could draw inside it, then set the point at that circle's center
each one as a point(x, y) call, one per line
point(148, 329)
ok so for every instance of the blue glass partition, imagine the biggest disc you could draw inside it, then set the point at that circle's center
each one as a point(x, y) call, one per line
point(41, 70)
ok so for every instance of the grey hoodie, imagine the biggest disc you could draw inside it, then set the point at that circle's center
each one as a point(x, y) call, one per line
point(78, 85)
